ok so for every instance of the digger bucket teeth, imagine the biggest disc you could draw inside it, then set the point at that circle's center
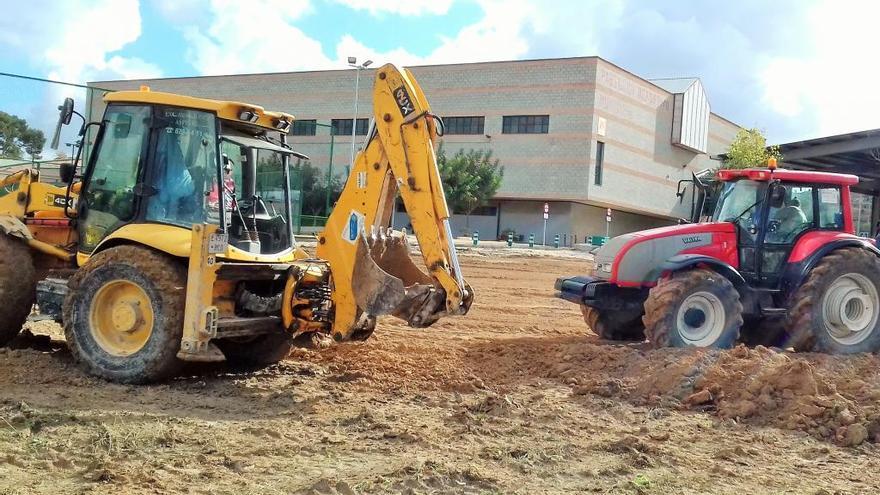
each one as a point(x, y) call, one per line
point(387, 281)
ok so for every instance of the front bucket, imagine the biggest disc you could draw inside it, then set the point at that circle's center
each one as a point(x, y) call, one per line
point(387, 281)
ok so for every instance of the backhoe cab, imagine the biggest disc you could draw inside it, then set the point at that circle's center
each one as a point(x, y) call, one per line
point(779, 252)
point(175, 242)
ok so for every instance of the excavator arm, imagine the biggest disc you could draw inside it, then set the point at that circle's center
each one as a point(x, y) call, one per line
point(371, 270)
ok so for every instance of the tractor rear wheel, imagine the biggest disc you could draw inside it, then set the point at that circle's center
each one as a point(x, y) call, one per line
point(693, 308)
point(837, 310)
point(123, 314)
point(18, 282)
point(614, 326)
point(257, 352)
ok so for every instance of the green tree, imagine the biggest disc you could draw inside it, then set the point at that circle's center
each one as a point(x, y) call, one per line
point(16, 138)
point(313, 184)
point(749, 149)
point(470, 179)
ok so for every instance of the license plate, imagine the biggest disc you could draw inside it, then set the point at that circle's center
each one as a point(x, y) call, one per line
point(217, 243)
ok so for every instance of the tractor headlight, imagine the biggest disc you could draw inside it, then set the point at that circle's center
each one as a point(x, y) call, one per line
point(604, 267)
point(248, 115)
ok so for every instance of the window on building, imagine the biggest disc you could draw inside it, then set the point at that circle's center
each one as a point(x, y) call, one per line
point(303, 128)
point(490, 211)
point(600, 159)
point(525, 124)
point(464, 125)
point(342, 127)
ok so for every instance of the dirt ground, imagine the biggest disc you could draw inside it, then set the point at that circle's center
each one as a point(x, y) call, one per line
point(516, 397)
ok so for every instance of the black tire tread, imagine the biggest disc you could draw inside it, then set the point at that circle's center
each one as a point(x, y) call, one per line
point(669, 292)
point(169, 277)
point(264, 350)
point(606, 327)
point(18, 281)
point(798, 321)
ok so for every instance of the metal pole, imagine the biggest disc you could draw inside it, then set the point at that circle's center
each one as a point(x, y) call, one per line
point(299, 209)
point(329, 175)
point(544, 236)
point(357, 80)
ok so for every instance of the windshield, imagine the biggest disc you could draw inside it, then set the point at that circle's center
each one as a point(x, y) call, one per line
point(185, 166)
point(256, 200)
point(739, 201)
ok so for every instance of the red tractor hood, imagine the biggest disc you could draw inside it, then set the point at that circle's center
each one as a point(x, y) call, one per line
point(690, 228)
point(635, 259)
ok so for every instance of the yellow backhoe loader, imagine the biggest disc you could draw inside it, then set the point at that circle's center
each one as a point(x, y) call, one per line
point(175, 243)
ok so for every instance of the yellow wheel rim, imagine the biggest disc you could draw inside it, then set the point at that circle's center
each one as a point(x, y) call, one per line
point(121, 317)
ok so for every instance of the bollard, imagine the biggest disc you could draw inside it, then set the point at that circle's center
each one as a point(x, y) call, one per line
point(565, 239)
point(476, 237)
point(556, 241)
point(531, 240)
point(509, 239)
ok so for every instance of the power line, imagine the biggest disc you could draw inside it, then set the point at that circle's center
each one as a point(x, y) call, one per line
point(32, 78)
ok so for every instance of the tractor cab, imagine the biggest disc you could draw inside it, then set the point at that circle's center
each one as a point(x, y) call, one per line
point(773, 209)
point(172, 162)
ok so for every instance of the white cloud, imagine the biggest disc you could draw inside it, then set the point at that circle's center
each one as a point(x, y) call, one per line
point(72, 40)
point(837, 80)
point(497, 35)
point(254, 36)
point(181, 12)
point(400, 7)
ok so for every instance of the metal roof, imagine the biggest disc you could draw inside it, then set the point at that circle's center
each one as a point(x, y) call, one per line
point(856, 153)
point(676, 84)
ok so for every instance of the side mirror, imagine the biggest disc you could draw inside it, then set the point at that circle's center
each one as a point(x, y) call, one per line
point(67, 172)
point(777, 196)
point(65, 112)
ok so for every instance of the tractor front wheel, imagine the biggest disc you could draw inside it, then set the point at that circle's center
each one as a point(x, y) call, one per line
point(693, 308)
point(17, 286)
point(620, 326)
point(123, 314)
point(837, 310)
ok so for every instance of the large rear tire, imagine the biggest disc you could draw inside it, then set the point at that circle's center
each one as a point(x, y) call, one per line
point(693, 308)
point(837, 310)
point(123, 315)
point(258, 352)
point(18, 282)
point(620, 326)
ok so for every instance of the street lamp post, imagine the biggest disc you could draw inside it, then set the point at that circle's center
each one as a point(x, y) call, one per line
point(352, 62)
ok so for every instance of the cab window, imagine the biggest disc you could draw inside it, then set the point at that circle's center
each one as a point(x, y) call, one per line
point(793, 216)
point(108, 200)
point(830, 209)
point(185, 168)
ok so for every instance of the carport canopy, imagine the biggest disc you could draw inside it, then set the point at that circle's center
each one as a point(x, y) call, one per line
point(856, 153)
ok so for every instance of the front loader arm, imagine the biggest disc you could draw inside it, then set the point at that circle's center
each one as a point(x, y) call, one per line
point(371, 270)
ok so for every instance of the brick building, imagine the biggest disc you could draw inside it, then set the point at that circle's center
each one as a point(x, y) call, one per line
point(581, 134)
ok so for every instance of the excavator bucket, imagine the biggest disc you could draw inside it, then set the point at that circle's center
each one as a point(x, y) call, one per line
point(387, 281)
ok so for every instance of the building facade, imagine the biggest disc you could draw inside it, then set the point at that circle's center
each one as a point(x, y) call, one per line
point(580, 134)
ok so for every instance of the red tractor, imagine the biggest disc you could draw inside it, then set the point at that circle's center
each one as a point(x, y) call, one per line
point(779, 253)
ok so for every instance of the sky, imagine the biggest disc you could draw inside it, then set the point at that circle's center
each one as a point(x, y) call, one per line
point(796, 69)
